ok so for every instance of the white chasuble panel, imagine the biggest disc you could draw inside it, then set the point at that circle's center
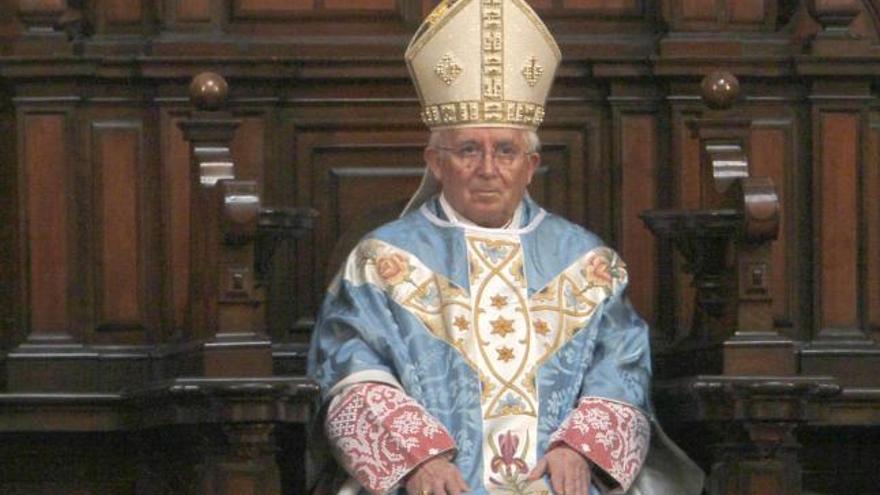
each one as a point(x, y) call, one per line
point(502, 334)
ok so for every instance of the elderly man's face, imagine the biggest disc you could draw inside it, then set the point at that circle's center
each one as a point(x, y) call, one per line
point(483, 171)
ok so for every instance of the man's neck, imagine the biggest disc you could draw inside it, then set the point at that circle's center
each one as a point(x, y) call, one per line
point(457, 218)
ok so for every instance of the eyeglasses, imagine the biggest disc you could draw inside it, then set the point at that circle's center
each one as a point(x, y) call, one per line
point(469, 154)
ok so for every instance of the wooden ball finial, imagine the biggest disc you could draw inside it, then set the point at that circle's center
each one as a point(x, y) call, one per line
point(720, 89)
point(208, 91)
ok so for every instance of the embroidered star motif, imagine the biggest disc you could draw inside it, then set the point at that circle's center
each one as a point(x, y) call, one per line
point(501, 327)
point(541, 327)
point(505, 354)
point(532, 72)
point(499, 301)
point(447, 69)
point(461, 323)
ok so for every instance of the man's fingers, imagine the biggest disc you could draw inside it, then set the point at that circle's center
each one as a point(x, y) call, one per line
point(461, 482)
point(558, 483)
point(538, 471)
point(455, 484)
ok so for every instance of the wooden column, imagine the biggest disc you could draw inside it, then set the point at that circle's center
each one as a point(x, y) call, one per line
point(226, 303)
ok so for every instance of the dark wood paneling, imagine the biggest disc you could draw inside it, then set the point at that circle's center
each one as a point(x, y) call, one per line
point(119, 174)
point(41, 5)
point(256, 9)
point(338, 172)
point(603, 6)
point(10, 297)
point(176, 198)
point(387, 5)
point(275, 9)
point(559, 183)
point(770, 143)
point(249, 149)
point(722, 15)
point(871, 208)
point(686, 184)
point(639, 185)
point(747, 11)
point(120, 12)
point(838, 216)
point(699, 10)
point(193, 10)
point(44, 152)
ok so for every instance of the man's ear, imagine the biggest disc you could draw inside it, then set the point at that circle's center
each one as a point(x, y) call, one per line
point(434, 163)
point(534, 160)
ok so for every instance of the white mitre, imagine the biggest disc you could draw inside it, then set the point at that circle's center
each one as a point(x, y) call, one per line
point(480, 63)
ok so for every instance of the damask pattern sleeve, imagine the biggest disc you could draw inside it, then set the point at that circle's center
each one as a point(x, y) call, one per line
point(612, 435)
point(380, 434)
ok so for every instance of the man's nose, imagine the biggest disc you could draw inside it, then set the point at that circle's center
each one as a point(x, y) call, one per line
point(486, 165)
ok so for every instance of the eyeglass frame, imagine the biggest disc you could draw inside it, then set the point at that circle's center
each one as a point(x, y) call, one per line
point(483, 153)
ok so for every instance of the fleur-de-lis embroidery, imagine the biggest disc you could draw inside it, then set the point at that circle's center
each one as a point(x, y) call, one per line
point(532, 72)
point(447, 69)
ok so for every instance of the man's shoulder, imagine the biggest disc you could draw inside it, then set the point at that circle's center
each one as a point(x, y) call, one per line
point(398, 231)
point(559, 230)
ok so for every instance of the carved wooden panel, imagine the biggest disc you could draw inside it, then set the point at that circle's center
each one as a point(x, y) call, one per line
point(31, 6)
point(776, 147)
point(347, 176)
point(871, 191)
point(559, 184)
point(118, 177)
point(279, 9)
point(119, 12)
point(248, 149)
point(722, 15)
point(838, 214)
point(603, 6)
point(639, 175)
point(47, 182)
point(175, 218)
point(10, 299)
point(360, 4)
point(686, 180)
point(192, 10)
point(190, 15)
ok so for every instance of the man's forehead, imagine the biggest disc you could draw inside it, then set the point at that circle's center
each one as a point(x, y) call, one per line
point(493, 134)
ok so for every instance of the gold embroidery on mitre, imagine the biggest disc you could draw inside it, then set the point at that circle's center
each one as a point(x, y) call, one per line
point(447, 69)
point(532, 72)
point(493, 51)
point(439, 12)
point(485, 37)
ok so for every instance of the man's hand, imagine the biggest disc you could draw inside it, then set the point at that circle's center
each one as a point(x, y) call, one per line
point(437, 476)
point(569, 471)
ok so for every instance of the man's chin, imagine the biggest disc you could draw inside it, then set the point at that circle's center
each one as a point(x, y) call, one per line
point(492, 219)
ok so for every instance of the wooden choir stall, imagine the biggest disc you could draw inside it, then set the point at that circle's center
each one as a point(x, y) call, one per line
point(179, 180)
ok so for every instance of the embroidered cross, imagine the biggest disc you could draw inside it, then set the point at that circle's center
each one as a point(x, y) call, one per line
point(532, 72)
point(447, 69)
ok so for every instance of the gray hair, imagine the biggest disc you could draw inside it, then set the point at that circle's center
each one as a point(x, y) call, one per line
point(533, 142)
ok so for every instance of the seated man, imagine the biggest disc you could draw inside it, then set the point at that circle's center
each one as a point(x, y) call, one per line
point(480, 344)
